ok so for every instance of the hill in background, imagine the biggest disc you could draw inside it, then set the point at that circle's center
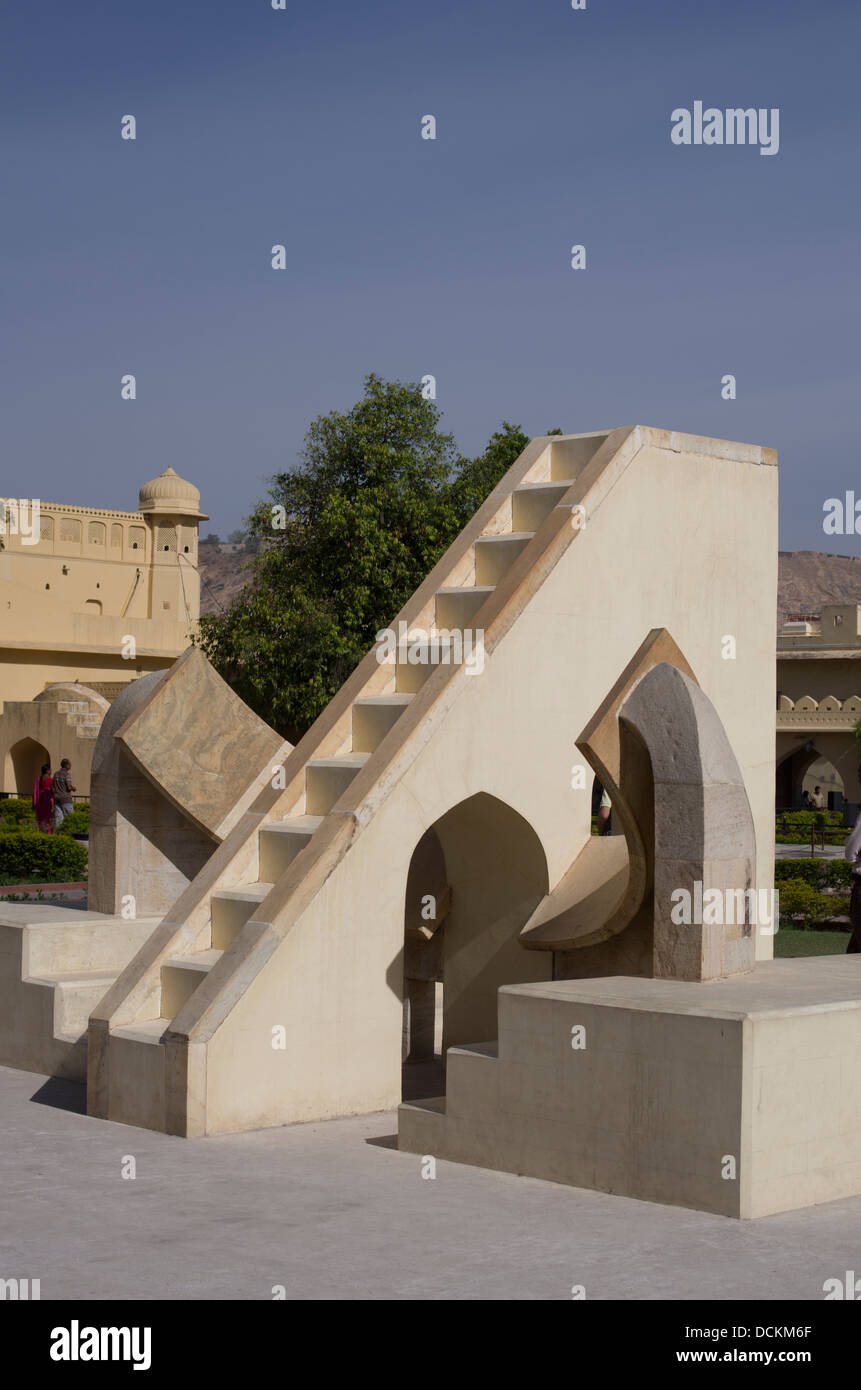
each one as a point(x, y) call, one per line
point(806, 578)
point(221, 574)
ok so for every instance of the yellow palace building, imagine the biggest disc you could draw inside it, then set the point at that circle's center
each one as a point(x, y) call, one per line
point(89, 600)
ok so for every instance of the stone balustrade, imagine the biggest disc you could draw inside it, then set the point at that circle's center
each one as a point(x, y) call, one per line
point(807, 711)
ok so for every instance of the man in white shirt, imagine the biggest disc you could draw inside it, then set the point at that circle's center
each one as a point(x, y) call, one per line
point(851, 851)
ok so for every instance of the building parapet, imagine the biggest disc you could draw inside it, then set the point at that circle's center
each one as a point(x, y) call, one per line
point(817, 714)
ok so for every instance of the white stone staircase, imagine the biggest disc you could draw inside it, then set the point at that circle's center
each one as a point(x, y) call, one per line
point(456, 607)
point(167, 1043)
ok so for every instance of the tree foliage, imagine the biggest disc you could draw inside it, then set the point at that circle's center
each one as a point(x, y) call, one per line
point(378, 495)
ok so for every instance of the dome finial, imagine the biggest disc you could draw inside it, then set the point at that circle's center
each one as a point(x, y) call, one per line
point(169, 493)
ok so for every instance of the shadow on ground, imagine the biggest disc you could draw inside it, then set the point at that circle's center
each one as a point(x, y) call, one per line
point(419, 1081)
point(62, 1095)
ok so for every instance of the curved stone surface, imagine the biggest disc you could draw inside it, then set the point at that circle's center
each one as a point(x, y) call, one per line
point(74, 690)
point(604, 890)
point(177, 759)
point(703, 828)
point(590, 895)
point(197, 741)
point(678, 792)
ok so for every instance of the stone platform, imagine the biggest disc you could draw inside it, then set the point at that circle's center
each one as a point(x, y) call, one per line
point(740, 1097)
point(56, 963)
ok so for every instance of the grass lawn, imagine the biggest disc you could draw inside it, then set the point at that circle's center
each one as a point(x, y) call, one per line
point(810, 943)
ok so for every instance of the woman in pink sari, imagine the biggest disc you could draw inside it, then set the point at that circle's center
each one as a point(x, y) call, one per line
point(43, 800)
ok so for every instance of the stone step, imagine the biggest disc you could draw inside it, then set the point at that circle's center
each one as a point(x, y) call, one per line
point(75, 997)
point(433, 1105)
point(569, 457)
point(280, 843)
point(456, 608)
point(494, 555)
point(532, 503)
point(420, 660)
point(151, 1031)
point(77, 1041)
point(180, 977)
point(231, 908)
point(373, 717)
point(326, 780)
point(68, 948)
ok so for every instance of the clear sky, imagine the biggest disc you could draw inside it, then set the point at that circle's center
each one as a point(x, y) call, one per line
point(408, 256)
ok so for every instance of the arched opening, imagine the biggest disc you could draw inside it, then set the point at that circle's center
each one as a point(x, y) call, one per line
point(475, 878)
point(801, 771)
point(824, 775)
point(23, 763)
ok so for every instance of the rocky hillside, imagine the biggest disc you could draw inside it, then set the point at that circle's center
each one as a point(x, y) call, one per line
point(222, 575)
point(806, 578)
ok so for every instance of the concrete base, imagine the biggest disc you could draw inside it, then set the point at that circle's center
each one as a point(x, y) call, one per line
point(740, 1097)
point(56, 963)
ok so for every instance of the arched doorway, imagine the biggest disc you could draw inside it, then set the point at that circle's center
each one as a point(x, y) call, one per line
point(22, 766)
point(800, 771)
point(823, 774)
point(475, 878)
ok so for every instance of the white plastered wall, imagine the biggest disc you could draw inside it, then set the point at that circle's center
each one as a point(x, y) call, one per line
point(686, 541)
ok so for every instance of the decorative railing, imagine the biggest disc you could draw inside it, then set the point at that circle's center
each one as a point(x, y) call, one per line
point(829, 710)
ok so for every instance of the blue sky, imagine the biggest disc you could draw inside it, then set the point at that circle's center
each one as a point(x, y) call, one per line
point(407, 256)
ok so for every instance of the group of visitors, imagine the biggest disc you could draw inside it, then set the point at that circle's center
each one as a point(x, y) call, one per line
point(813, 801)
point(52, 796)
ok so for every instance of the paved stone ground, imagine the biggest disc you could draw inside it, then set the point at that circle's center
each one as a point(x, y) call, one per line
point(332, 1211)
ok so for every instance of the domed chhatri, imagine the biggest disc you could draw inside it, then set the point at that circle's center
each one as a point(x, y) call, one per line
point(171, 493)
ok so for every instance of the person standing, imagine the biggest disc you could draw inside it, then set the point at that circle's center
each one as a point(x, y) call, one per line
point(43, 800)
point(851, 851)
point(63, 788)
point(817, 800)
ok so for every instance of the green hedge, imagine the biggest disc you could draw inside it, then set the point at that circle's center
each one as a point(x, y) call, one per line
point(793, 827)
point(802, 819)
point(837, 836)
point(16, 813)
point(819, 873)
point(78, 823)
point(27, 856)
point(799, 899)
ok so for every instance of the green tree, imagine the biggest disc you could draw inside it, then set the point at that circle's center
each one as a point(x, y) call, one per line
point(377, 497)
point(476, 478)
